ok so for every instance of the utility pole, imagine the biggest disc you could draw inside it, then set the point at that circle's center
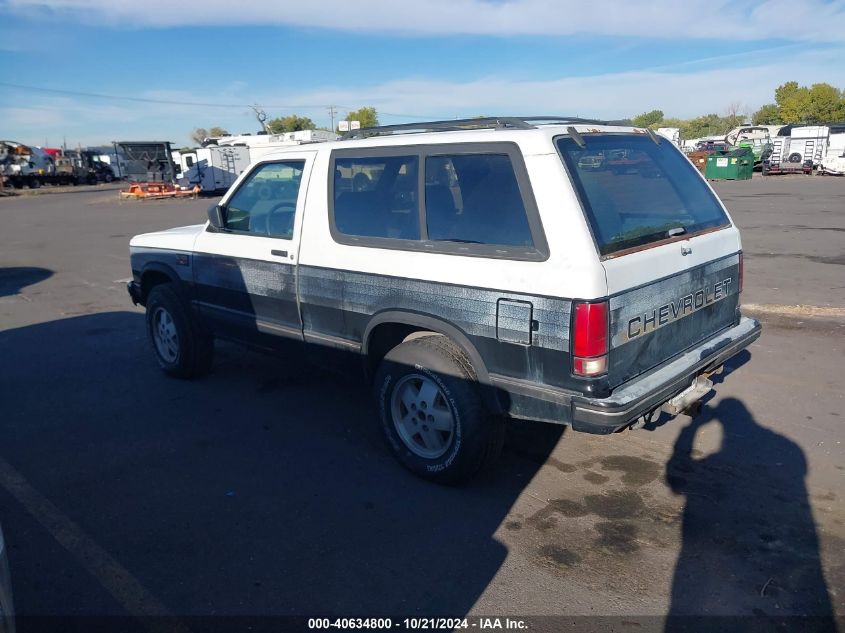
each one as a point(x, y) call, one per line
point(332, 110)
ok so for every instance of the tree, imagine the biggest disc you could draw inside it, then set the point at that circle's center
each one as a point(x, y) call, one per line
point(292, 123)
point(673, 122)
point(648, 119)
point(199, 135)
point(793, 102)
point(218, 131)
point(826, 104)
point(733, 116)
point(366, 115)
point(706, 125)
point(768, 114)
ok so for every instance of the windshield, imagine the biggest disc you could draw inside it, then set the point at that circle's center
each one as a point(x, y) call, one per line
point(636, 191)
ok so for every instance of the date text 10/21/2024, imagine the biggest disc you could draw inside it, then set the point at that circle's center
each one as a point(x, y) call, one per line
point(421, 624)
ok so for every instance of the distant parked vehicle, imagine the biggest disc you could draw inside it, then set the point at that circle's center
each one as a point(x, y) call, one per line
point(626, 161)
point(711, 146)
point(834, 159)
point(22, 165)
point(97, 169)
point(801, 151)
point(592, 161)
point(213, 168)
point(673, 134)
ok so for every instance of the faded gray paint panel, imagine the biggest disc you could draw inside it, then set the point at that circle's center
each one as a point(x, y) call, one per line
point(254, 277)
point(263, 290)
point(631, 312)
point(473, 310)
point(630, 356)
point(513, 322)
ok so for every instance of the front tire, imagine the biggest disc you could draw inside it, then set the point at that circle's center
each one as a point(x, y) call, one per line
point(180, 347)
point(431, 411)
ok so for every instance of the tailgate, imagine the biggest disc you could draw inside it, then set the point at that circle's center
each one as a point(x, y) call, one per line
point(650, 324)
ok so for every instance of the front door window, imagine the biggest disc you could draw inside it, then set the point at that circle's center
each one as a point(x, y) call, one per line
point(265, 204)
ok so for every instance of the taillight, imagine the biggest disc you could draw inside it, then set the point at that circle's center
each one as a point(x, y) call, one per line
point(589, 339)
point(741, 271)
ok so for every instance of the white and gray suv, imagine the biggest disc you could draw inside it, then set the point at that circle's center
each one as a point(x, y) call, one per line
point(543, 268)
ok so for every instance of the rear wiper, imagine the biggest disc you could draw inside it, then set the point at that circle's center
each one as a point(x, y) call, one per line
point(678, 230)
point(579, 140)
point(459, 241)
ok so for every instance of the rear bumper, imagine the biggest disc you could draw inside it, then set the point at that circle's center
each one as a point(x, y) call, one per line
point(635, 398)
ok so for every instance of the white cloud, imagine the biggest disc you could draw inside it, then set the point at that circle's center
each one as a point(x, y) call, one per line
point(612, 95)
point(609, 95)
point(803, 20)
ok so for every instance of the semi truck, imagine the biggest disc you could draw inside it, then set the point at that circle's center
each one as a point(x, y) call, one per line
point(27, 166)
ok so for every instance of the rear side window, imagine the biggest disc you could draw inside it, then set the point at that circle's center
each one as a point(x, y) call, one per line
point(636, 192)
point(377, 197)
point(472, 199)
point(475, 199)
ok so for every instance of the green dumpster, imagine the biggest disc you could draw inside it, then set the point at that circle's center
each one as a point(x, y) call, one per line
point(733, 164)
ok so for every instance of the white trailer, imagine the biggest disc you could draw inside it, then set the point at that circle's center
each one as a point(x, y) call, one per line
point(802, 150)
point(671, 133)
point(834, 159)
point(285, 138)
point(213, 168)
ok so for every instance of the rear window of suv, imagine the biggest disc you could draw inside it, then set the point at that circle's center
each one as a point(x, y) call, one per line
point(636, 192)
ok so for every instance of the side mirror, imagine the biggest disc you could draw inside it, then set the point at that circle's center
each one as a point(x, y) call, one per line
point(217, 216)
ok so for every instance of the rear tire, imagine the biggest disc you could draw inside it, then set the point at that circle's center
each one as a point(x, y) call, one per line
point(180, 347)
point(431, 411)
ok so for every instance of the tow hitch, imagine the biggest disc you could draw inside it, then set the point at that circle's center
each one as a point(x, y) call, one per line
point(689, 399)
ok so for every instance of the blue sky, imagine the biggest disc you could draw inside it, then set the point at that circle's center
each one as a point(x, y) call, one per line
point(435, 59)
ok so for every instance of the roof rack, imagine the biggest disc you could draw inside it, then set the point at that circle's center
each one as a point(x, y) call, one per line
point(508, 122)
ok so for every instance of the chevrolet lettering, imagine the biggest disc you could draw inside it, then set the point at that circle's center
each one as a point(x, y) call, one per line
point(682, 307)
point(555, 269)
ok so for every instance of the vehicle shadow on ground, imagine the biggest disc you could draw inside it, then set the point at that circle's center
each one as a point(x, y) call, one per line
point(13, 279)
point(749, 542)
point(262, 489)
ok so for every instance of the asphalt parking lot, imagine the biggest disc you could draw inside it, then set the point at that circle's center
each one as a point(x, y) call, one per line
point(264, 489)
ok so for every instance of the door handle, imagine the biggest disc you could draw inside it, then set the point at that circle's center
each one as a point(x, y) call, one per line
point(279, 253)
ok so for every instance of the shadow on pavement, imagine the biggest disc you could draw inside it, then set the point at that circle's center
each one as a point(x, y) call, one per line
point(264, 488)
point(15, 278)
point(749, 543)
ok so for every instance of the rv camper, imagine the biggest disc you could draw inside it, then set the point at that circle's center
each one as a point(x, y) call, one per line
point(213, 168)
point(834, 159)
point(801, 151)
point(671, 133)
